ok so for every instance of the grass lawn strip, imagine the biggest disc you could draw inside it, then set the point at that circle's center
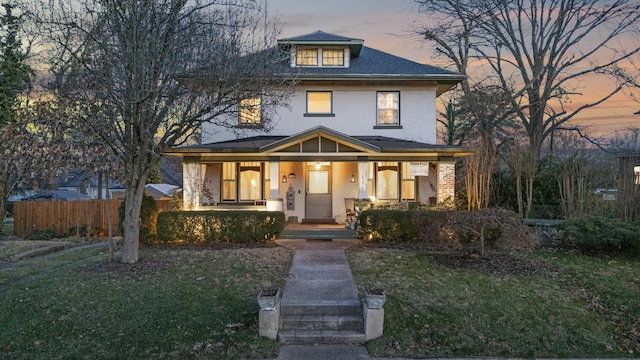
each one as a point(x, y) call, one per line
point(180, 304)
point(437, 311)
point(11, 248)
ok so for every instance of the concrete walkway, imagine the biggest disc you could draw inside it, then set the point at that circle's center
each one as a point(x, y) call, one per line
point(320, 273)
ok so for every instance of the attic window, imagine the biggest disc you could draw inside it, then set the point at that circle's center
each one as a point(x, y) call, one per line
point(332, 57)
point(307, 57)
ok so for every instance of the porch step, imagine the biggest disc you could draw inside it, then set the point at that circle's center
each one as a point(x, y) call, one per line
point(322, 322)
point(318, 234)
point(315, 337)
point(325, 322)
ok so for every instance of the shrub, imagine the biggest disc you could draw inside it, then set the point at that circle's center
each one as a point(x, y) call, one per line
point(500, 228)
point(47, 234)
point(219, 226)
point(148, 217)
point(602, 234)
point(449, 229)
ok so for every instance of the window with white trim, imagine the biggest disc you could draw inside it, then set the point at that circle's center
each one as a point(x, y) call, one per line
point(307, 57)
point(388, 108)
point(332, 57)
point(636, 173)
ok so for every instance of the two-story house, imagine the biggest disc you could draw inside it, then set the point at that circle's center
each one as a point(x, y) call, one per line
point(361, 124)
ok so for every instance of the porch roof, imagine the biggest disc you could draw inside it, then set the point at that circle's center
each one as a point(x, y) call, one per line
point(303, 146)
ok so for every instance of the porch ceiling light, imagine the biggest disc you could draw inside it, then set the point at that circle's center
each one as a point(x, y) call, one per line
point(318, 166)
point(284, 179)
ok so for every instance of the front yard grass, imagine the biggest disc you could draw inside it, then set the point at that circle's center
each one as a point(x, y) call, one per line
point(174, 304)
point(585, 307)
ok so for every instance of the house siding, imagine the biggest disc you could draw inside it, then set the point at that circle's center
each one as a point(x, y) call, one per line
point(354, 109)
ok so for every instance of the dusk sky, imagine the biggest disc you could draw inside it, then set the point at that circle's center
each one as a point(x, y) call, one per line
point(385, 24)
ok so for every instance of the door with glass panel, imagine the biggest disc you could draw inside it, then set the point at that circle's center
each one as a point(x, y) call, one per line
point(318, 191)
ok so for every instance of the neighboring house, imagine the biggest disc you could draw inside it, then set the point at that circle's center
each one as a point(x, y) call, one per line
point(160, 191)
point(86, 183)
point(57, 195)
point(361, 124)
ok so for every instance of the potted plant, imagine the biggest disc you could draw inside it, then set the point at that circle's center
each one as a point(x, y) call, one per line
point(268, 297)
point(374, 297)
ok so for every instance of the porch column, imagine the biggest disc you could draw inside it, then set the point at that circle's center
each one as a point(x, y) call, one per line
point(362, 180)
point(274, 172)
point(446, 181)
point(192, 185)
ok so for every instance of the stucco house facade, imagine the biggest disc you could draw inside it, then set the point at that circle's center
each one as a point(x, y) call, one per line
point(361, 123)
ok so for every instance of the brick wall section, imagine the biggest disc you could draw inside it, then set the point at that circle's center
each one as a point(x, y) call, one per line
point(446, 180)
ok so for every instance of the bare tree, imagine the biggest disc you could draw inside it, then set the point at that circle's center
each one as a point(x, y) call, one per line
point(132, 61)
point(540, 50)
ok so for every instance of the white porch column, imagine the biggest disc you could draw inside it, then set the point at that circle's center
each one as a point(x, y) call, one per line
point(446, 181)
point(274, 172)
point(362, 180)
point(192, 185)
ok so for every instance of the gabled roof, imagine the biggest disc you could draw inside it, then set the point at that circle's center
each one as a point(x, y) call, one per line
point(317, 131)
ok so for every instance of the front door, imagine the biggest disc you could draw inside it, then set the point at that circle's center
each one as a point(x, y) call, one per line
point(318, 199)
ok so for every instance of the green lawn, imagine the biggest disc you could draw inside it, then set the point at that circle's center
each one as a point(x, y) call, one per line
point(181, 303)
point(587, 307)
point(173, 304)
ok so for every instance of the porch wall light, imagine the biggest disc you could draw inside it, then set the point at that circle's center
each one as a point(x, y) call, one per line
point(353, 178)
point(284, 179)
point(292, 175)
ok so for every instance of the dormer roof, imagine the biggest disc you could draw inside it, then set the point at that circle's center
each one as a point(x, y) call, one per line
point(323, 38)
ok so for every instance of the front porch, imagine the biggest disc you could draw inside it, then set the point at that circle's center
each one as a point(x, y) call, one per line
point(309, 175)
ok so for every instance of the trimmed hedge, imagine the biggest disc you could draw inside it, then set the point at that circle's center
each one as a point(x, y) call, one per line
point(602, 234)
point(219, 226)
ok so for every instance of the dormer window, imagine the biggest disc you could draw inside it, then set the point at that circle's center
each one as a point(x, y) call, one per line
point(332, 57)
point(321, 57)
point(307, 57)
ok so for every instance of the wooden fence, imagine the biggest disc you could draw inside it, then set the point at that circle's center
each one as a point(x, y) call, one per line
point(63, 216)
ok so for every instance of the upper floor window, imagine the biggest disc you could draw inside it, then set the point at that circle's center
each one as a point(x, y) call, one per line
point(332, 57)
point(636, 174)
point(388, 108)
point(250, 112)
point(307, 57)
point(319, 103)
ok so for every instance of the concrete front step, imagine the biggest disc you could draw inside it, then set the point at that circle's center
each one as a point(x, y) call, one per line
point(322, 322)
point(322, 308)
point(318, 234)
point(314, 337)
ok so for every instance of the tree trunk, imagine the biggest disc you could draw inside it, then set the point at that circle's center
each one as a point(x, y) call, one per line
point(100, 176)
point(519, 194)
point(3, 200)
point(107, 197)
point(131, 223)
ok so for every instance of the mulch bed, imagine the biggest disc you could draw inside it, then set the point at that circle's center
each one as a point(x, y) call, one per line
point(497, 264)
